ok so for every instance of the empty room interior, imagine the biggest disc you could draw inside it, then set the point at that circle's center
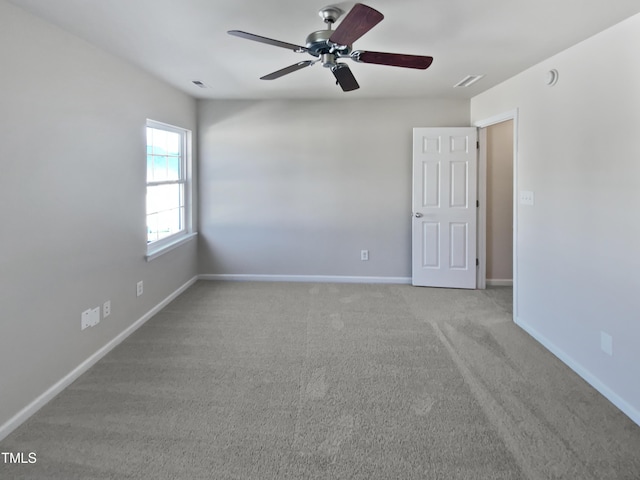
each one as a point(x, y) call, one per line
point(361, 265)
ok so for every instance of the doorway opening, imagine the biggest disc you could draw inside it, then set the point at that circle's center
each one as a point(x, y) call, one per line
point(497, 212)
point(499, 204)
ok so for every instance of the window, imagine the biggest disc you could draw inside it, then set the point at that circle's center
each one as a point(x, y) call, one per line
point(168, 187)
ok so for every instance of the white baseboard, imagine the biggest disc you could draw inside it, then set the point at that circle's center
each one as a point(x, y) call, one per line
point(304, 278)
point(499, 282)
point(586, 375)
point(64, 382)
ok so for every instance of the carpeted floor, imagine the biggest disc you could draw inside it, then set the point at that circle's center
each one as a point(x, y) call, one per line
point(258, 381)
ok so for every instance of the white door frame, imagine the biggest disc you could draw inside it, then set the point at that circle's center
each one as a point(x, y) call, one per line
point(482, 198)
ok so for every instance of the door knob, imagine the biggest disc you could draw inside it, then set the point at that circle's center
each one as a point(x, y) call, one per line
point(418, 215)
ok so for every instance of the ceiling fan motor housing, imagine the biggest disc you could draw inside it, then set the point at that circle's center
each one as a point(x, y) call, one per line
point(318, 44)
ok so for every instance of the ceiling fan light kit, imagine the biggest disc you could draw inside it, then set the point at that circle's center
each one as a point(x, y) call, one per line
point(329, 46)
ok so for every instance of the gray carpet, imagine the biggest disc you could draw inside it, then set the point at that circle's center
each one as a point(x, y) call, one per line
point(257, 381)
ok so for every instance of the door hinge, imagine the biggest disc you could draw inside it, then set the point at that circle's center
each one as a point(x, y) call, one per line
point(478, 145)
point(477, 262)
point(477, 203)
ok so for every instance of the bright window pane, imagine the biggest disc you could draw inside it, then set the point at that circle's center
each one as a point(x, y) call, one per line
point(152, 227)
point(159, 168)
point(173, 143)
point(173, 168)
point(149, 139)
point(165, 211)
point(163, 197)
point(159, 141)
point(166, 181)
point(169, 222)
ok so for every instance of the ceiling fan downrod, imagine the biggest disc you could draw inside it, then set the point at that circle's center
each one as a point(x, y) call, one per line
point(330, 14)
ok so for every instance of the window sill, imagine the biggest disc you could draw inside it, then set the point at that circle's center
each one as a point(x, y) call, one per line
point(158, 251)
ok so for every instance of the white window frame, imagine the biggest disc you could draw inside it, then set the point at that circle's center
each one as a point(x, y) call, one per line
point(157, 248)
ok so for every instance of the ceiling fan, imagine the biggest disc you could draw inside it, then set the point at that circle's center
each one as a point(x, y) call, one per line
point(331, 45)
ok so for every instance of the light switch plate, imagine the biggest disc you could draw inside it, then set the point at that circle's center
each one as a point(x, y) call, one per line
point(526, 197)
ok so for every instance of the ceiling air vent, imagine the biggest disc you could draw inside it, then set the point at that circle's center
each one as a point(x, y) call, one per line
point(468, 81)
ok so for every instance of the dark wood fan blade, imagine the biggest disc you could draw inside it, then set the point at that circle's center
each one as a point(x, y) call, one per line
point(268, 41)
point(395, 59)
point(345, 77)
point(358, 21)
point(290, 69)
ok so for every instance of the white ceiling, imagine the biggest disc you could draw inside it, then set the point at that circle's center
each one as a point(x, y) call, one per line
point(184, 40)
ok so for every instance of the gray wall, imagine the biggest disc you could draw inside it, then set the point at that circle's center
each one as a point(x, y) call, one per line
point(579, 244)
point(72, 132)
point(300, 187)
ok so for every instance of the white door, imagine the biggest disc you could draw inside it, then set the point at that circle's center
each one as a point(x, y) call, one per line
point(444, 207)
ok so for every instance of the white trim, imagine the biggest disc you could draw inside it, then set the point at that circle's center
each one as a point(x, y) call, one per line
point(165, 126)
point(482, 214)
point(303, 278)
point(501, 117)
point(481, 252)
point(167, 247)
point(65, 381)
point(586, 375)
point(499, 282)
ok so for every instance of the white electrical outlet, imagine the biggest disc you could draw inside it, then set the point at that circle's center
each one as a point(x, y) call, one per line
point(106, 309)
point(139, 288)
point(90, 318)
point(85, 319)
point(364, 255)
point(95, 316)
